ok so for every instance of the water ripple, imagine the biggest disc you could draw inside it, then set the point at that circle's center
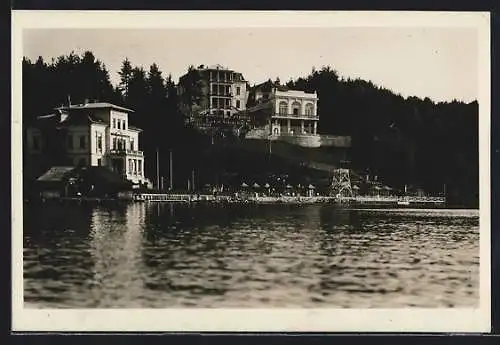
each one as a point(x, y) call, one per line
point(158, 256)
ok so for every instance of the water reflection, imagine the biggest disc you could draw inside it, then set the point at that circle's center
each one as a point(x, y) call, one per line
point(166, 255)
point(116, 245)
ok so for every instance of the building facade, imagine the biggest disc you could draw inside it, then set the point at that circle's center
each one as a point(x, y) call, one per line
point(91, 134)
point(213, 95)
point(283, 114)
point(294, 113)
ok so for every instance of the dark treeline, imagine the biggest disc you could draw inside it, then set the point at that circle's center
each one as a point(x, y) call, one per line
point(402, 140)
point(151, 95)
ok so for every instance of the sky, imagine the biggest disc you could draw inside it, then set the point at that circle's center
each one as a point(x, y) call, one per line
point(436, 62)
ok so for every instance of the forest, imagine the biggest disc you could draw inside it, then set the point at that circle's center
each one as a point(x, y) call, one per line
point(427, 144)
point(410, 140)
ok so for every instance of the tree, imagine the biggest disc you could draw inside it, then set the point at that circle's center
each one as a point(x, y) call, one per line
point(405, 141)
point(125, 77)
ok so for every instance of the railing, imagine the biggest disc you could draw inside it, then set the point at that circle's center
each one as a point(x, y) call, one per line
point(296, 116)
point(410, 199)
point(126, 152)
point(221, 94)
point(165, 197)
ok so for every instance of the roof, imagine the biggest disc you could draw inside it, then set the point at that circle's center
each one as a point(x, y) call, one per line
point(133, 128)
point(283, 89)
point(101, 175)
point(97, 105)
point(56, 174)
point(217, 66)
point(295, 93)
point(82, 120)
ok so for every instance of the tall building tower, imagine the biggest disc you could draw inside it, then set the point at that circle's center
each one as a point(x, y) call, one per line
point(213, 96)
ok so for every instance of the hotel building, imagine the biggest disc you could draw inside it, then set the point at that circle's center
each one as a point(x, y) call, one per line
point(221, 95)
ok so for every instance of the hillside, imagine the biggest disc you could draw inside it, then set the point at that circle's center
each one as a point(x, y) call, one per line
point(410, 140)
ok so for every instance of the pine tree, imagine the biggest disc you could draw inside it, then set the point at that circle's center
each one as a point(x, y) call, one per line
point(125, 77)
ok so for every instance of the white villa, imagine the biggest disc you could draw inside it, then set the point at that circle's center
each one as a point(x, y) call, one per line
point(287, 115)
point(90, 134)
point(295, 112)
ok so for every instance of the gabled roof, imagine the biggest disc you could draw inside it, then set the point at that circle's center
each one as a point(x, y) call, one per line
point(97, 105)
point(100, 175)
point(92, 174)
point(56, 174)
point(82, 120)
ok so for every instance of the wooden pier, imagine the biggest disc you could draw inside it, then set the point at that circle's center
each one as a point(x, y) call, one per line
point(357, 200)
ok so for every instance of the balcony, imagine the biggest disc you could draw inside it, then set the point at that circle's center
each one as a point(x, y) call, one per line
point(295, 116)
point(221, 94)
point(123, 152)
point(120, 132)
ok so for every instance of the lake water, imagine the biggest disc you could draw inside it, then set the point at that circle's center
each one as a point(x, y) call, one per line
point(163, 255)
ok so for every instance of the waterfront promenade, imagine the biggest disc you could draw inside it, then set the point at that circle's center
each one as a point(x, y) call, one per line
point(424, 200)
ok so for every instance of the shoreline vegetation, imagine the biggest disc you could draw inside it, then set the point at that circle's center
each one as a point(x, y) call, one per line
point(410, 141)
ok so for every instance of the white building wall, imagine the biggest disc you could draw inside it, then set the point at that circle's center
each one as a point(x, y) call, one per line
point(242, 97)
point(118, 116)
point(293, 96)
point(95, 152)
point(134, 135)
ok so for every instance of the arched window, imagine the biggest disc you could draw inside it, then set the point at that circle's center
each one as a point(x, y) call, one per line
point(296, 108)
point(283, 109)
point(309, 109)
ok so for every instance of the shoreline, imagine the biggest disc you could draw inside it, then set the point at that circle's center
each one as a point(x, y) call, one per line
point(205, 199)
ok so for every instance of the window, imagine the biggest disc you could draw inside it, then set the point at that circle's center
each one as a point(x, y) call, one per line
point(70, 142)
point(114, 143)
point(214, 102)
point(114, 123)
point(99, 142)
point(283, 109)
point(238, 104)
point(119, 124)
point(124, 124)
point(296, 108)
point(140, 167)
point(132, 145)
point(238, 90)
point(135, 166)
point(228, 113)
point(99, 162)
point(309, 109)
point(36, 142)
point(83, 142)
point(130, 166)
